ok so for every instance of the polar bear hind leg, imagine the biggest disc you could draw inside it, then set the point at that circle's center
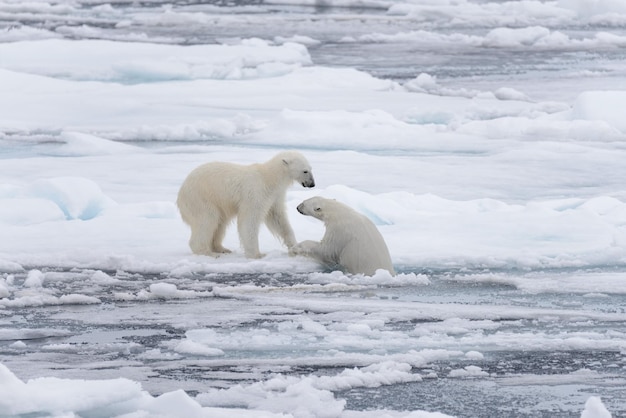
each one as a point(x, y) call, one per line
point(201, 236)
point(207, 234)
point(218, 237)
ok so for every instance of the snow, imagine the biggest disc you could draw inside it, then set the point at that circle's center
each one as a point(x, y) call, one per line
point(601, 106)
point(487, 187)
point(130, 62)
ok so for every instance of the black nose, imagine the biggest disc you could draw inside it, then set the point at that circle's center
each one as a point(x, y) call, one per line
point(308, 184)
point(300, 208)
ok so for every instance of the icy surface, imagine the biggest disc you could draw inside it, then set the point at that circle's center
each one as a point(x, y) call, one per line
point(485, 139)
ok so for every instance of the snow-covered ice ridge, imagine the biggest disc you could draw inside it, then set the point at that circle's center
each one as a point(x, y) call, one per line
point(489, 180)
point(499, 190)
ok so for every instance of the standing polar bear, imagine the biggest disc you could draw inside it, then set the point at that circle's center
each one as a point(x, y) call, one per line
point(351, 241)
point(214, 193)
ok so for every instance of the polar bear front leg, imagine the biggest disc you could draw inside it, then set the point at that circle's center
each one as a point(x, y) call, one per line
point(313, 249)
point(278, 224)
point(317, 251)
point(304, 248)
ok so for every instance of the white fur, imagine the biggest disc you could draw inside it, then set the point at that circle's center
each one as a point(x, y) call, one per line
point(351, 241)
point(214, 193)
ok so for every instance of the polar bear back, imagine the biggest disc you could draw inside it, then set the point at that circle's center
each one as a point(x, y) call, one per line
point(226, 183)
point(362, 248)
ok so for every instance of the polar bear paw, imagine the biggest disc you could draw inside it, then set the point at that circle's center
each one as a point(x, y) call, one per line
point(303, 248)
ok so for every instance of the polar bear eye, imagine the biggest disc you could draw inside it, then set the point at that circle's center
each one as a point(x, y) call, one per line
point(318, 209)
point(306, 171)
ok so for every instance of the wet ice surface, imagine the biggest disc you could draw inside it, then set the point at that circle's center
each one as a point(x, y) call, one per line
point(473, 344)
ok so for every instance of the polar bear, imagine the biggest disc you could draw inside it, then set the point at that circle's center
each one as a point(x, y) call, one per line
point(351, 241)
point(214, 193)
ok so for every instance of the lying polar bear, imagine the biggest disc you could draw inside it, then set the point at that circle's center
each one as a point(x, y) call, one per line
point(351, 241)
point(215, 193)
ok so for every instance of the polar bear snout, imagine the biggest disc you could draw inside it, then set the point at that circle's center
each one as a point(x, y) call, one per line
point(310, 207)
point(305, 178)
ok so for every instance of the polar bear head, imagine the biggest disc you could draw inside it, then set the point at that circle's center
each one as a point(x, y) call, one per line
point(313, 207)
point(298, 167)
